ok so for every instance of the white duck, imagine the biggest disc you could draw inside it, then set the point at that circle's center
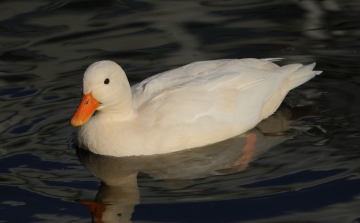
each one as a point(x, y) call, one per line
point(191, 106)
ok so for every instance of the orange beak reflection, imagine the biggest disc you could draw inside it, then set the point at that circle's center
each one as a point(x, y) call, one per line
point(87, 107)
point(95, 208)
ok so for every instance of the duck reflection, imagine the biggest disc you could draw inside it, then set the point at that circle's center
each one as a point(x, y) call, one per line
point(119, 191)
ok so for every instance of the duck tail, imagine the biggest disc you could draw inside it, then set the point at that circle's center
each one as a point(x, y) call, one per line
point(302, 75)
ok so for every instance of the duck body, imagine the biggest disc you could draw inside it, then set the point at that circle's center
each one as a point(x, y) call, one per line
point(191, 106)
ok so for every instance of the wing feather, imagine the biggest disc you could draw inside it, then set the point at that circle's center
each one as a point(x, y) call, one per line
point(202, 73)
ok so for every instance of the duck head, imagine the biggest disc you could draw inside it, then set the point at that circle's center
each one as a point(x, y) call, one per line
point(106, 89)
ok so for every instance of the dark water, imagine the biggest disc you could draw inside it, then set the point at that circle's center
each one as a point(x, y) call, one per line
point(306, 172)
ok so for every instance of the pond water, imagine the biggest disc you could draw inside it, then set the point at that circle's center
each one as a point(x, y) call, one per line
point(304, 164)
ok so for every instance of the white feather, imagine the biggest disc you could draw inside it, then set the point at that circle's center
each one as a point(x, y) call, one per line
point(191, 106)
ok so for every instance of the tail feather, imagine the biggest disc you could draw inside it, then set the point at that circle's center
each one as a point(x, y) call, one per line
point(298, 75)
point(302, 75)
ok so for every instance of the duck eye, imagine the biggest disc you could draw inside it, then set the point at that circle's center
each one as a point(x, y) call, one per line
point(106, 81)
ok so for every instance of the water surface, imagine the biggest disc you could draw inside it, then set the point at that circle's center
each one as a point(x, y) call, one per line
point(306, 172)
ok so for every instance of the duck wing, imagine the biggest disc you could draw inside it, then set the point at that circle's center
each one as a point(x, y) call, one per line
point(203, 73)
point(226, 94)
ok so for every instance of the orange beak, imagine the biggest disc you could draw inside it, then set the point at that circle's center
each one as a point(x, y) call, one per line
point(87, 107)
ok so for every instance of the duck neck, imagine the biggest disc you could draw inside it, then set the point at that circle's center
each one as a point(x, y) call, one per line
point(121, 110)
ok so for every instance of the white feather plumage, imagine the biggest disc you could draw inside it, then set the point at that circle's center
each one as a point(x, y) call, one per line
point(191, 106)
